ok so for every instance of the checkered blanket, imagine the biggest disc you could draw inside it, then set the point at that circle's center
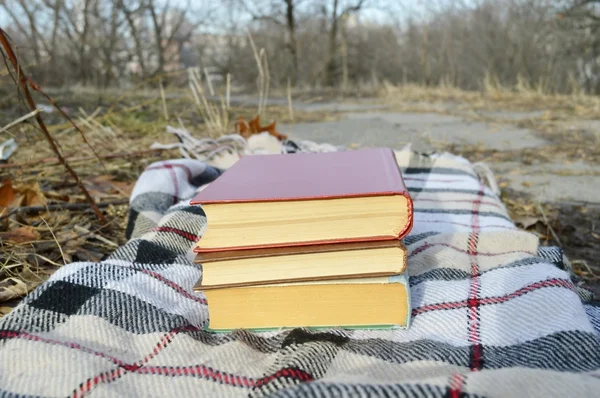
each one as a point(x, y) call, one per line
point(492, 313)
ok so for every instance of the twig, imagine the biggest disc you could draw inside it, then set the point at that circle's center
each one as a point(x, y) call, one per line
point(56, 240)
point(23, 80)
point(228, 92)
point(63, 206)
point(99, 237)
point(54, 161)
point(556, 238)
point(164, 100)
point(290, 107)
point(19, 120)
point(587, 266)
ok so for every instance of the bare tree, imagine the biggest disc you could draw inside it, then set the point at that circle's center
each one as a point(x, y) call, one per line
point(133, 10)
point(583, 18)
point(77, 28)
point(170, 29)
point(337, 14)
point(282, 13)
point(22, 13)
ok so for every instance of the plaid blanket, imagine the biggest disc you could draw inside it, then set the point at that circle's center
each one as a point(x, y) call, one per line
point(493, 314)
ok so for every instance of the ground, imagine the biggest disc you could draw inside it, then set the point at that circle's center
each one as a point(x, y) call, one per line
point(543, 150)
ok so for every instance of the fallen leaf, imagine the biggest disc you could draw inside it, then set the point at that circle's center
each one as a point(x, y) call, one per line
point(21, 195)
point(595, 235)
point(503, 184)
point(7, 194)
point(103, 186)
point(20, 235)
point(248, 128)
point(32, 195)
point(124, 187)
point(526, 184)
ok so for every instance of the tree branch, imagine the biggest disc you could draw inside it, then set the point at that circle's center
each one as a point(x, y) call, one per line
point(23, 81)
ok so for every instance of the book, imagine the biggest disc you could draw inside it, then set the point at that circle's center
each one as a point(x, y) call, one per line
point(305, 199)
point(301, 263)
point(366, 303)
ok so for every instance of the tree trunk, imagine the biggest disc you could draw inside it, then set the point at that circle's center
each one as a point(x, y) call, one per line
point(330, 71)
point(135, 34)
point(292, 45)
point(53, 53)
point(158, 36)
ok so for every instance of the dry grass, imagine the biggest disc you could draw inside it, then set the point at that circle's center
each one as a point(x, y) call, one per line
point(494, 96)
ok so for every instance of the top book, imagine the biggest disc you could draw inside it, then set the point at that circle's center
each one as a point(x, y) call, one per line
point(306, 198)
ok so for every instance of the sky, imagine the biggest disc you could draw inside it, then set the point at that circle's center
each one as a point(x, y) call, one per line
point(386, 10)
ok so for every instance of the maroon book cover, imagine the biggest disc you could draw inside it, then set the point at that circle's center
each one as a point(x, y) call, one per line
point(309, 176)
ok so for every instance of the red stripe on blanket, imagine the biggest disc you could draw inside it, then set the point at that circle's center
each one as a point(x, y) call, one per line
point(430, 245)
point(225, 378)
point(6, 334)
point(171, 167)
point(562, 283)
point(187, 170)
point(184, 234)
point(9, 334)
point(172, 285)
point(473, 303)
point(456, 384)
point(111, 375)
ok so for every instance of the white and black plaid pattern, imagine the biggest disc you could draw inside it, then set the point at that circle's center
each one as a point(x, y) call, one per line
point(492, 313)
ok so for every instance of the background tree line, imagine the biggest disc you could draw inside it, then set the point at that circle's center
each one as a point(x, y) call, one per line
point(552, 45)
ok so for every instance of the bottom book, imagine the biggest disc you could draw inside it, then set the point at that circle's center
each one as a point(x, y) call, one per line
point(366, 303)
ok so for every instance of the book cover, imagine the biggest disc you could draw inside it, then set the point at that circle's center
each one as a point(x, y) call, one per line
point(329, 177)
point(302, 176)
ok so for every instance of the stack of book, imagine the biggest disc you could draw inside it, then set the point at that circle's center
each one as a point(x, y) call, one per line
point(306, 240)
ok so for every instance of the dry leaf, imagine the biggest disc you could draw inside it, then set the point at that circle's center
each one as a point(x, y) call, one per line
point(123, 187)
point(21, 195)
point(20, 235)
point(32, 195)
point(246, 129)
point(103, 186)
point(526, 184)
point(7, 194)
